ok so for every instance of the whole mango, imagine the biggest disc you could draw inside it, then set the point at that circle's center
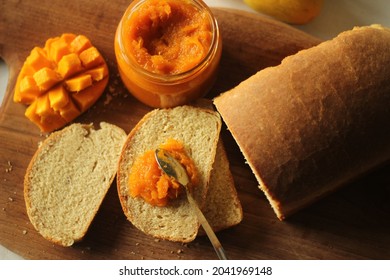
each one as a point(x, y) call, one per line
point(289, 11)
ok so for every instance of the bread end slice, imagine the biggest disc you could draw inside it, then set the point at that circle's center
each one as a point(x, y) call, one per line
point(68, 177)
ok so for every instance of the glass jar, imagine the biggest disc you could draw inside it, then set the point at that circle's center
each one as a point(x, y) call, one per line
point(160, 81)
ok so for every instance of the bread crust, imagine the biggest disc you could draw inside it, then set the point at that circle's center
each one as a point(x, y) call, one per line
point(316, 121)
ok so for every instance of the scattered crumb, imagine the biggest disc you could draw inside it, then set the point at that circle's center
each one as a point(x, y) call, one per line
point(3, 208)
point(179, 251)
point(156, 240)
point(172, 252)
point(136, 244)
point(24, 232)
point(10, 199)
point(9, 167)
point(111, 89)
point(108, 99)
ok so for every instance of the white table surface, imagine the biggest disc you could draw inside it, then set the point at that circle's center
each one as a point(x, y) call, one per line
point(335, 17)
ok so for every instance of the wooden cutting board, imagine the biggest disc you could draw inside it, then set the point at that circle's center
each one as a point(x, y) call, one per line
point(353, 223)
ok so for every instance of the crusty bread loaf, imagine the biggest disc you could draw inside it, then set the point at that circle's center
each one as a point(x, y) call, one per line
point(68, 177)
point(198, 130)
point(316, 121)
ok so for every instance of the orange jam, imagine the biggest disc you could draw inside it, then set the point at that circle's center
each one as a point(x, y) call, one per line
point(168, 51)
point(146, 180)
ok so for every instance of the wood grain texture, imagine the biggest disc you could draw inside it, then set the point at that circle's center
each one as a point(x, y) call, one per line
point(350, 224)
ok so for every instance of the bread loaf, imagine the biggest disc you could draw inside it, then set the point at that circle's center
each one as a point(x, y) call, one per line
point(198, 129)
point(68, 177)
point(316, 121)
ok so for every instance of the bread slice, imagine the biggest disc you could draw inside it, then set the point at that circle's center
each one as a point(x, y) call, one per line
point(316, 121)
point(68, 177)
point(223, 207)
point(198, 129)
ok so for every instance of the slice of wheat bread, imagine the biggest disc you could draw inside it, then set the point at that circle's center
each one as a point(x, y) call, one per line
point(198, 129)
point(68, 177)
point(223, 207)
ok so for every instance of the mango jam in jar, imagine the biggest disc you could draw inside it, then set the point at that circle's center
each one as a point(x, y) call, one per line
point(168, 51)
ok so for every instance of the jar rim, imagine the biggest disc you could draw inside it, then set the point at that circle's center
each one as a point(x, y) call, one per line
point(170, 77)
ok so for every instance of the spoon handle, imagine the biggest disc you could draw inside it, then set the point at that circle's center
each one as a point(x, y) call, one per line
point(206, 226)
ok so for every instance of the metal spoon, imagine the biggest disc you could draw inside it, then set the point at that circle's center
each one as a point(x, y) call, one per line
point(170, 166)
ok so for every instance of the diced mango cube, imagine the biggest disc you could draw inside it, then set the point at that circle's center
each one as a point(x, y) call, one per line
point(70, 111)
point(26, 98)
point(58, 97)
point(38, 59)
point(46, 78)
point(58, 49)
point(91, 58)
point(98, 73)
point(31, 114)
point(52, 122)
point(80, 43)
point(84, 99)
point(69, 65)
point(49, 122)
point(68, 38)
point(43, 108)
point(48, 44)
point(79, 83)
point(28, 84)
point(27, 70)
point(26, 90)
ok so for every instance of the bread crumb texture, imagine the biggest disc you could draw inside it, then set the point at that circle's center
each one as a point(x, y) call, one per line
point(68, 178)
